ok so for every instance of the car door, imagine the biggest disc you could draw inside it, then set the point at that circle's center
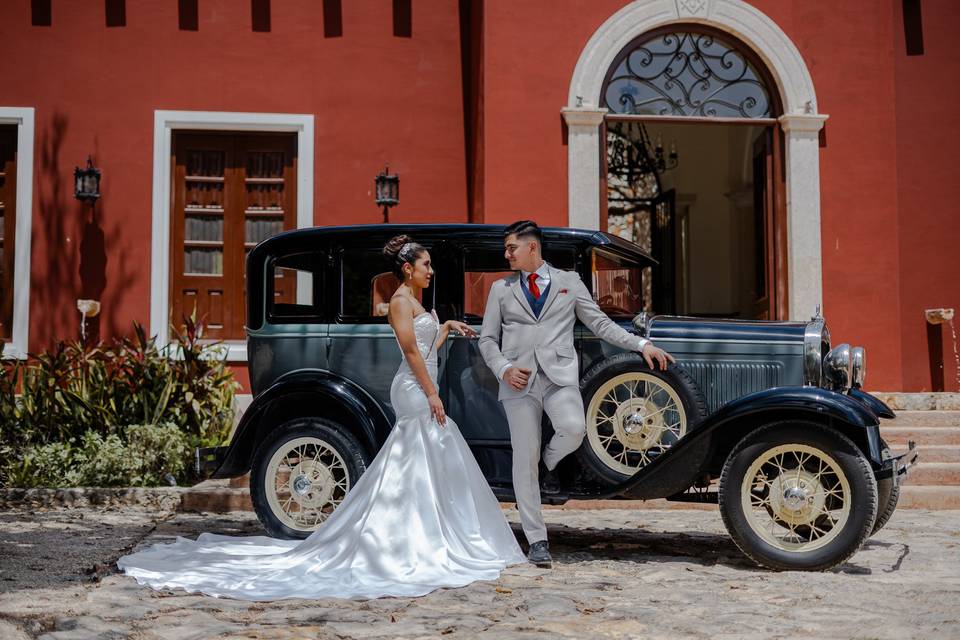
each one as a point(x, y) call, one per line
point(363, 347)
point(471, 388)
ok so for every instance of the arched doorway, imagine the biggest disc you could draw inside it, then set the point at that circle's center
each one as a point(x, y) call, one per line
point(714, 221)
point(794, 112)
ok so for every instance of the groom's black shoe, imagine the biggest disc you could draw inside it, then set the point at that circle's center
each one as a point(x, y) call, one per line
point(549, 482)
point(539, 554)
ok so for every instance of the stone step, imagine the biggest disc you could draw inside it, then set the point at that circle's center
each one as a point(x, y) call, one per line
point(222, 498)
point(934, 473)
point(924, 419)
point(928, 497)
point(933, 452)
point(216, 496)
point(921, 435)
point(928, 401)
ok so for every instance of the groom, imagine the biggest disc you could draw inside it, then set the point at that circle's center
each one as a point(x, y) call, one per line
point(527, 341)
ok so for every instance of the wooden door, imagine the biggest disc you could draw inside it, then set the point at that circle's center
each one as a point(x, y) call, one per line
point(764, 228)
point(8, 225)
point(230, 191)
point(663, 232)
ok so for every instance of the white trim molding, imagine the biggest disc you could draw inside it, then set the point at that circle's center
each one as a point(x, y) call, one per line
point(24, 118)
point(801, 121)
point(164, 123)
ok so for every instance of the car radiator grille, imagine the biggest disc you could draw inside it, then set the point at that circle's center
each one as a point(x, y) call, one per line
point(722, 382)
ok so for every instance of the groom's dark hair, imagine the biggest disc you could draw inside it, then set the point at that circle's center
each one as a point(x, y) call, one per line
point(525, 229)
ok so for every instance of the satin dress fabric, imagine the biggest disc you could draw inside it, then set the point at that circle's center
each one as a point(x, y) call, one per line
point(420, 518)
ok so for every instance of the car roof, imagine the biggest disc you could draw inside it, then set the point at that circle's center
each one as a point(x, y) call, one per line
point(307, 238)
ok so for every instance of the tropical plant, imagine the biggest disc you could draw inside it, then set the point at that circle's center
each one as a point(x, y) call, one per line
point(124, 412)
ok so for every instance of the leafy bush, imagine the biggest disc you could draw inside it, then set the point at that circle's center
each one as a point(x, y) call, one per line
point(118, 414)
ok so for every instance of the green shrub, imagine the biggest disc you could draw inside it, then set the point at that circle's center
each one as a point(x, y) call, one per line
point(138, 455)
point(77, 404)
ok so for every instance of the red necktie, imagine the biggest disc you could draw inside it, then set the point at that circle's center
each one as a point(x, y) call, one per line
point(534, 289)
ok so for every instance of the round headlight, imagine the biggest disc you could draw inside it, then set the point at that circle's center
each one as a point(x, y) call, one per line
point(858, 366)
point(838, 367)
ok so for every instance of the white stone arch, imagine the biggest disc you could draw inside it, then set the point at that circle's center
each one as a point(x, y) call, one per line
point(801, 122)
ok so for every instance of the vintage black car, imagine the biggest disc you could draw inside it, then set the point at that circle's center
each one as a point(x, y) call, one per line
point(765, 418)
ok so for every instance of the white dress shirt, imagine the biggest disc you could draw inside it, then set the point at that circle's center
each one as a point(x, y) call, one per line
point(543, 277)
point(543, 281)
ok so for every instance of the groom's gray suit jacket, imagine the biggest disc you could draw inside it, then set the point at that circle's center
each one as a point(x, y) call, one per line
point(512, 334)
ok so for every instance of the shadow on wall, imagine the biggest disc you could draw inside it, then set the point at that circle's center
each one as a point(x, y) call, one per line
point(54, 285)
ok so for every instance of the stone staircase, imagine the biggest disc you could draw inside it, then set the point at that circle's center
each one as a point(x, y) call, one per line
point(934, 483)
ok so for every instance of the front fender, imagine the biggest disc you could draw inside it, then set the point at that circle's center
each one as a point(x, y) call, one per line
point(305, 393)
point(850, 416)
point(703, 450)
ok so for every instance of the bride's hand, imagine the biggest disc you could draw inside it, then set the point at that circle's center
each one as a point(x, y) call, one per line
point(436, 409)
point(461, 328)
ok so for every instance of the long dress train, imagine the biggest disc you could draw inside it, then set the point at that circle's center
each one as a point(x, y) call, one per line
point(421, 517)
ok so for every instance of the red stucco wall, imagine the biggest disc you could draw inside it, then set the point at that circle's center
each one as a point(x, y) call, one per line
point(889, 222)
point(851, 50)
point(927, 179)
point(376, 98)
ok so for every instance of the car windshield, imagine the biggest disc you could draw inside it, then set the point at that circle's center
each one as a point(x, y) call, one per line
point(617, 285)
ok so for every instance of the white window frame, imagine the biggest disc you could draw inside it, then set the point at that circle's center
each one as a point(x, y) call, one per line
point(164, 124)
point(23, 117)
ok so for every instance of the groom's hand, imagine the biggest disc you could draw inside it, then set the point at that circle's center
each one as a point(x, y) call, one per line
point(651, 353)
point(516, 377)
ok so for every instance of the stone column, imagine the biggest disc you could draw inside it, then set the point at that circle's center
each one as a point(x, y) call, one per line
point(804, 257)
point(583, 165)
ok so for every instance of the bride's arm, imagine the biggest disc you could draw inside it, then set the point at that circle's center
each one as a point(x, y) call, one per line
point(453, 325)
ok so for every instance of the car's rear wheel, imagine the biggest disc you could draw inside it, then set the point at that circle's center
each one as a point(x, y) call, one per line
point(889, 496)
point(634, 414)
point(798, 496)
point(301, 473)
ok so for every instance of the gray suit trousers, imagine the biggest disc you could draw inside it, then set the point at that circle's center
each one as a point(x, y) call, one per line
point(564, 406)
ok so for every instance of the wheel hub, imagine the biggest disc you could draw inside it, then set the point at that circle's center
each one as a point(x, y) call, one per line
point(639, 424)
point(312, 485)
point(797, 497)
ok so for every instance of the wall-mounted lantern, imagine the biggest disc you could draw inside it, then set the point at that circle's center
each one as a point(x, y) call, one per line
point(388, 191)
point(87, 182)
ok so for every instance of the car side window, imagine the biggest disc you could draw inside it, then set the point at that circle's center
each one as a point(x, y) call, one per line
point(295, 292)
point(366, 286)
point(618, 285)
point(483, 267)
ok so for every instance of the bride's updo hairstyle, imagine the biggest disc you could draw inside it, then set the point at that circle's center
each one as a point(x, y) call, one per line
point(401, 250)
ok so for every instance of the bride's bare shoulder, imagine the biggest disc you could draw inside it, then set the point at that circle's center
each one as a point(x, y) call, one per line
point(401, 306)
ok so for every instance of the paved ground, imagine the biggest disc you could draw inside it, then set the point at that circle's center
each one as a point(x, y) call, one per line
point(620, 574)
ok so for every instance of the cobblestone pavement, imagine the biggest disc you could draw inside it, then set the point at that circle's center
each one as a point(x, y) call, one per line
point(618, 574)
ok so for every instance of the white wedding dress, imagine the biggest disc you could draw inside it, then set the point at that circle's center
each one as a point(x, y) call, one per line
point(421, 517)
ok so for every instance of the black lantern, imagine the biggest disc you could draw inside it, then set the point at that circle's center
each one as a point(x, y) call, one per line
point(87, 182)
point(388, 191)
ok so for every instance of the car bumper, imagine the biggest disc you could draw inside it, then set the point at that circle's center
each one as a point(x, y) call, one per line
point(897, 467)
point(208, 458)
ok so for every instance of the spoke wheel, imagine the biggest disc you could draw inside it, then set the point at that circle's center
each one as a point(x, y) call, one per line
point(797, 495)
point(634, 415)
point(302, 471)
point(633, 418)
point(306, 480)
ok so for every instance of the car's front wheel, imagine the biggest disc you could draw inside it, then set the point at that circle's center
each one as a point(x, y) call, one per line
point(634, 414)
point(301, 473)
point(798, 496)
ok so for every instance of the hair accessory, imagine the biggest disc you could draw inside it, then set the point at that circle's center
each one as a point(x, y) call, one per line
point(407, 251)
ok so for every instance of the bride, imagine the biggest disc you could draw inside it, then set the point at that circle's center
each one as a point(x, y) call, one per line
point(421, 517)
